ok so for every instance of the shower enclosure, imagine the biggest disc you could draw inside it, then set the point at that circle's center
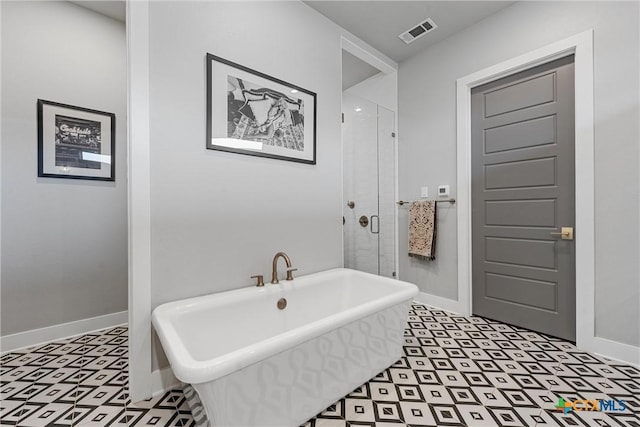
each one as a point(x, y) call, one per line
point(369, 185)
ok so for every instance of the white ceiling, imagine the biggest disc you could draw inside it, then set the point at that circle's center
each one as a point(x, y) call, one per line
point(355, 70)
point(112, 8)
point(380, 22)
point(376, 22)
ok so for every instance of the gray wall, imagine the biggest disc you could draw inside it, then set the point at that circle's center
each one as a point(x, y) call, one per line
point(218, 218)
point(64, 242)
point(427, 129)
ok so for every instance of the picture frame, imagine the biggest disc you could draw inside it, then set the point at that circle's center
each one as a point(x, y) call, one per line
point(75, 142)
point(252, 113)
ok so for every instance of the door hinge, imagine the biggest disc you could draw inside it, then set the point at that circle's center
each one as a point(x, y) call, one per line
point(393, 134)
point(342, 117)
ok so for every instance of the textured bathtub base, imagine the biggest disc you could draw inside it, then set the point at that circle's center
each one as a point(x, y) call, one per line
point(292, 386)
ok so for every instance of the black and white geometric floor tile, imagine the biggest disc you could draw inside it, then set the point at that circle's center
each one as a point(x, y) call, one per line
point(456, 371)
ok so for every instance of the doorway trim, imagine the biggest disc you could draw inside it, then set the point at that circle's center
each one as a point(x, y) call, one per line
point(376, 59)
point(580, 45)
point(139, 186)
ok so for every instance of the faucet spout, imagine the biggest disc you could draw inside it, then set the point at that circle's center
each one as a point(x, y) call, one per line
point(274, 271)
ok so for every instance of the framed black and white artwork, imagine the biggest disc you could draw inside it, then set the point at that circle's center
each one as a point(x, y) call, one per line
point(75, 142)
point(249, 112)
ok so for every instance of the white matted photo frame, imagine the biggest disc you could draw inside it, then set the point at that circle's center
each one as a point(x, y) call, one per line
point(75, 142)
point(249, 112)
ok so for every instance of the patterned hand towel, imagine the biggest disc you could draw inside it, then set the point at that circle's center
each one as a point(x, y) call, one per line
point(422, 229)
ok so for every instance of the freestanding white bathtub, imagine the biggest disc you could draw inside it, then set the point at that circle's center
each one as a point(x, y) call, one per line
point(252, 363)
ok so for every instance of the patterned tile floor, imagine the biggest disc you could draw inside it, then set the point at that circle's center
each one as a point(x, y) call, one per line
point(456, 371)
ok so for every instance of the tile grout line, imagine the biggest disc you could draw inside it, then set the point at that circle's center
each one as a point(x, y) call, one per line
point(80, 373)
point(547, 388)
point(492, 388)
point(23, 403)
point(557, 364)
point(175, 406)
point(607, 381)
point(125, 383)
point(83, 364)
point(123, 392)
point(29, 388)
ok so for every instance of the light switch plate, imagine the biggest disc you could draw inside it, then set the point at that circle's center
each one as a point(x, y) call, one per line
point(443, 191)
point(424, 191)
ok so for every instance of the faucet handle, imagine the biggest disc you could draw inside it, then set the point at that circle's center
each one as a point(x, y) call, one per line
point(260, 278)
point(289, 271)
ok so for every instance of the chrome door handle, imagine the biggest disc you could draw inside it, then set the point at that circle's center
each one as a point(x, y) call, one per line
point(378, 222)
point(566, 233)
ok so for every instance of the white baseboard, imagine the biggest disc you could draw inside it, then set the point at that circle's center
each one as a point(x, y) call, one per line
point(439, 302)
point(614, 350)
point(64, 330)
point(162, 380)
point(601, 346)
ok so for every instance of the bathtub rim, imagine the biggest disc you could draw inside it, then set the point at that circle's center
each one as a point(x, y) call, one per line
point(192, 371)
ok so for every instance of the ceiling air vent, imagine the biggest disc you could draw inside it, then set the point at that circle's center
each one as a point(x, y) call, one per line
point(418, 31)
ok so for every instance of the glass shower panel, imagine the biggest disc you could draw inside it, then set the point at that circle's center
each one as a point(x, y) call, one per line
point(386, 192)
point(369, 184)
point(360, 166)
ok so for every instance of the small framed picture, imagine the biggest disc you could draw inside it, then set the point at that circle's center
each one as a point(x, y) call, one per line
point(75, 142)
point(249, 112)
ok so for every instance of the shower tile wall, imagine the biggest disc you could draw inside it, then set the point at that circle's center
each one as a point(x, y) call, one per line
point(369, 181)
point(360, 135)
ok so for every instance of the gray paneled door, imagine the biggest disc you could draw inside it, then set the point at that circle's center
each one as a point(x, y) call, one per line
point(523, 184)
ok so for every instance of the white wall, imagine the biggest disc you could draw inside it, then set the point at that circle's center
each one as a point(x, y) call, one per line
point(64, 242)
point(381, 89)
point(427, 150)
point(218, 218)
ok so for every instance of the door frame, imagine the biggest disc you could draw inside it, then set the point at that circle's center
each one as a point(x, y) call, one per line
point(580, 45)
point(142, 382)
